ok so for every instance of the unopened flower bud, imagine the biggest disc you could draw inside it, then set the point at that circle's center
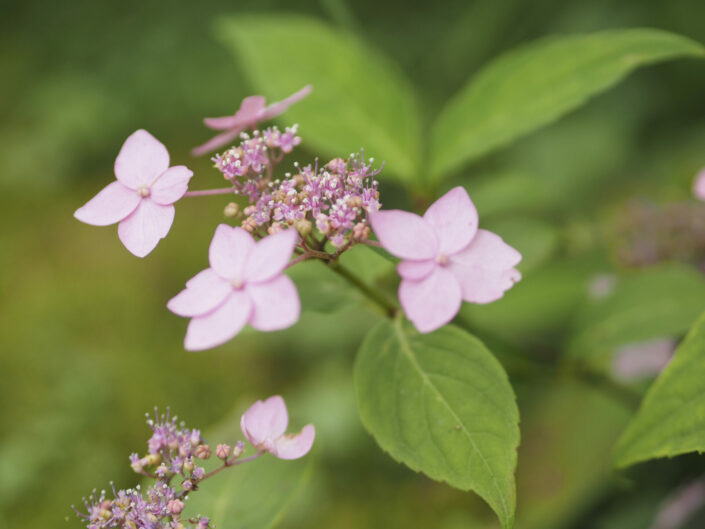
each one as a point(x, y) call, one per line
point(231, 210)
point(355, 201)
point(198, 473)
point(136, 463)
point(249, 210)
point(238, 449)
point(249, 224)
point(276, 227)
point(152, 459)
point(188, 465)
point(161, 471)
point(203, 451)
point(304, 227)
point(187, 484)
point(222, 451)
point(203, 523)
point(361, 231)
point(175, 506)
point(195, 437)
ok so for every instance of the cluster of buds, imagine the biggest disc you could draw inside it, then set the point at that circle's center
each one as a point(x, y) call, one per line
point(334, 200)
point(173, 452)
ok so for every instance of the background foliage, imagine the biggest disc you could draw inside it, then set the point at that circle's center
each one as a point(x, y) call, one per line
point(598, 202)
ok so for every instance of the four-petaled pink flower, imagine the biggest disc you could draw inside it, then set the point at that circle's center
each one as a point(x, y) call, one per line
point(445, 259)
point(252, 110)
point(264, 425)
point(142, 198)
point(244, 284)
point(699, 185)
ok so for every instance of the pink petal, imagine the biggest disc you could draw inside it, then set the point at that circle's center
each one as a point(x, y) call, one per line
point(276, 304)
point(265, 420)
point(222, 123)
point(270, 255)
point(277, 108)
point(404, 234)
point(483, 285)
point(294, 446)
point(171, 185)
point(145, 227)
point(250, 110)
point(699, 185)
point(141, 160)
point(203, 293)
point(415, 269)
point(229, 250)
point(488, 250)
point(454, 219)
point(222, 139)
point(220, 325)
point(112, 204)
point(431, 302)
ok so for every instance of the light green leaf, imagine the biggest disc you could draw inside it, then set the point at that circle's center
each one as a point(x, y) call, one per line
point(658, 302)
point(255, 495)
point(671, 419)
point(509, 192)
point(535, 239)
point(441, 404)
point(538, 83)
point(360, 99)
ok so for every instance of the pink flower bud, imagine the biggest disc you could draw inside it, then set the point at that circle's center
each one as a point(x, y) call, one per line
point(175, 506)
point(203, 451)
point(222, 451)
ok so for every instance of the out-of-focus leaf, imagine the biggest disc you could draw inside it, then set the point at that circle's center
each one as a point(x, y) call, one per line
point(255, 495)
point(535, 239)
point(659, 301)
point(359, 99)
point(671, 419)
point(441, 404)
point(565, 456)
point(534, 85)
point(509, 192)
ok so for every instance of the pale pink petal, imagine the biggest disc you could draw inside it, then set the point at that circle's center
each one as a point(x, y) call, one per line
point(265, 420)
point(431, 302)
point(488, 250)
point(141, 159)
point(454, 219)
point(416, 269)
point(699, 185)
point(203, 293)
point(145, 227)
point(250, 110)
point(229, 250)
point(221, 123)
point(294, 446)
point(404, 234)
point(270, 255)
point(112, 204)
point(171, 185)
point(219, 325)
point(277, 108)
point(222, 139)
point(483, 285)
point(276, 304)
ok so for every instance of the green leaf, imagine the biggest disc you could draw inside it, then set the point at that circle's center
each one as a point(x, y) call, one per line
point(360, 99)
point(536, 240)
point(441, 404)
point(657, 302)
point(536, 84)
point(671, 418)
point(255, 495)
point(510, 192)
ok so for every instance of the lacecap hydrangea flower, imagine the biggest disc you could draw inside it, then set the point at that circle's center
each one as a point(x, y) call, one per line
point(244, 284)
point(142, 198)
point(446, 259)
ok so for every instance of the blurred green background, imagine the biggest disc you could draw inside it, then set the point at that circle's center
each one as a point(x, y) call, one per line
point(87, 345)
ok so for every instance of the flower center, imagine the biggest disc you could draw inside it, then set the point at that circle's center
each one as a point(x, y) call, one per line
point(143, 191)
point(237, 283)
point(442, 259)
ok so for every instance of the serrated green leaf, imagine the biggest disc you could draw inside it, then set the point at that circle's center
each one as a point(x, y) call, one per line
point(658, 302)
point(255, 495)
point(360, 99)
point(441, 404)
point(671, 418)
point(538, 83)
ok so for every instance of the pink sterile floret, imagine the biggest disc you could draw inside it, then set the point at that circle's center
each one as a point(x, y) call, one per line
point(252, 110)
point(445, 259)
point(699, 185)
point(244, 284)
point(264, 425)
point(142, 198)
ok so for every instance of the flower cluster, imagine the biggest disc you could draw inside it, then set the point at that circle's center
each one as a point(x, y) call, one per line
point(334, 199)
point(175, 453)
